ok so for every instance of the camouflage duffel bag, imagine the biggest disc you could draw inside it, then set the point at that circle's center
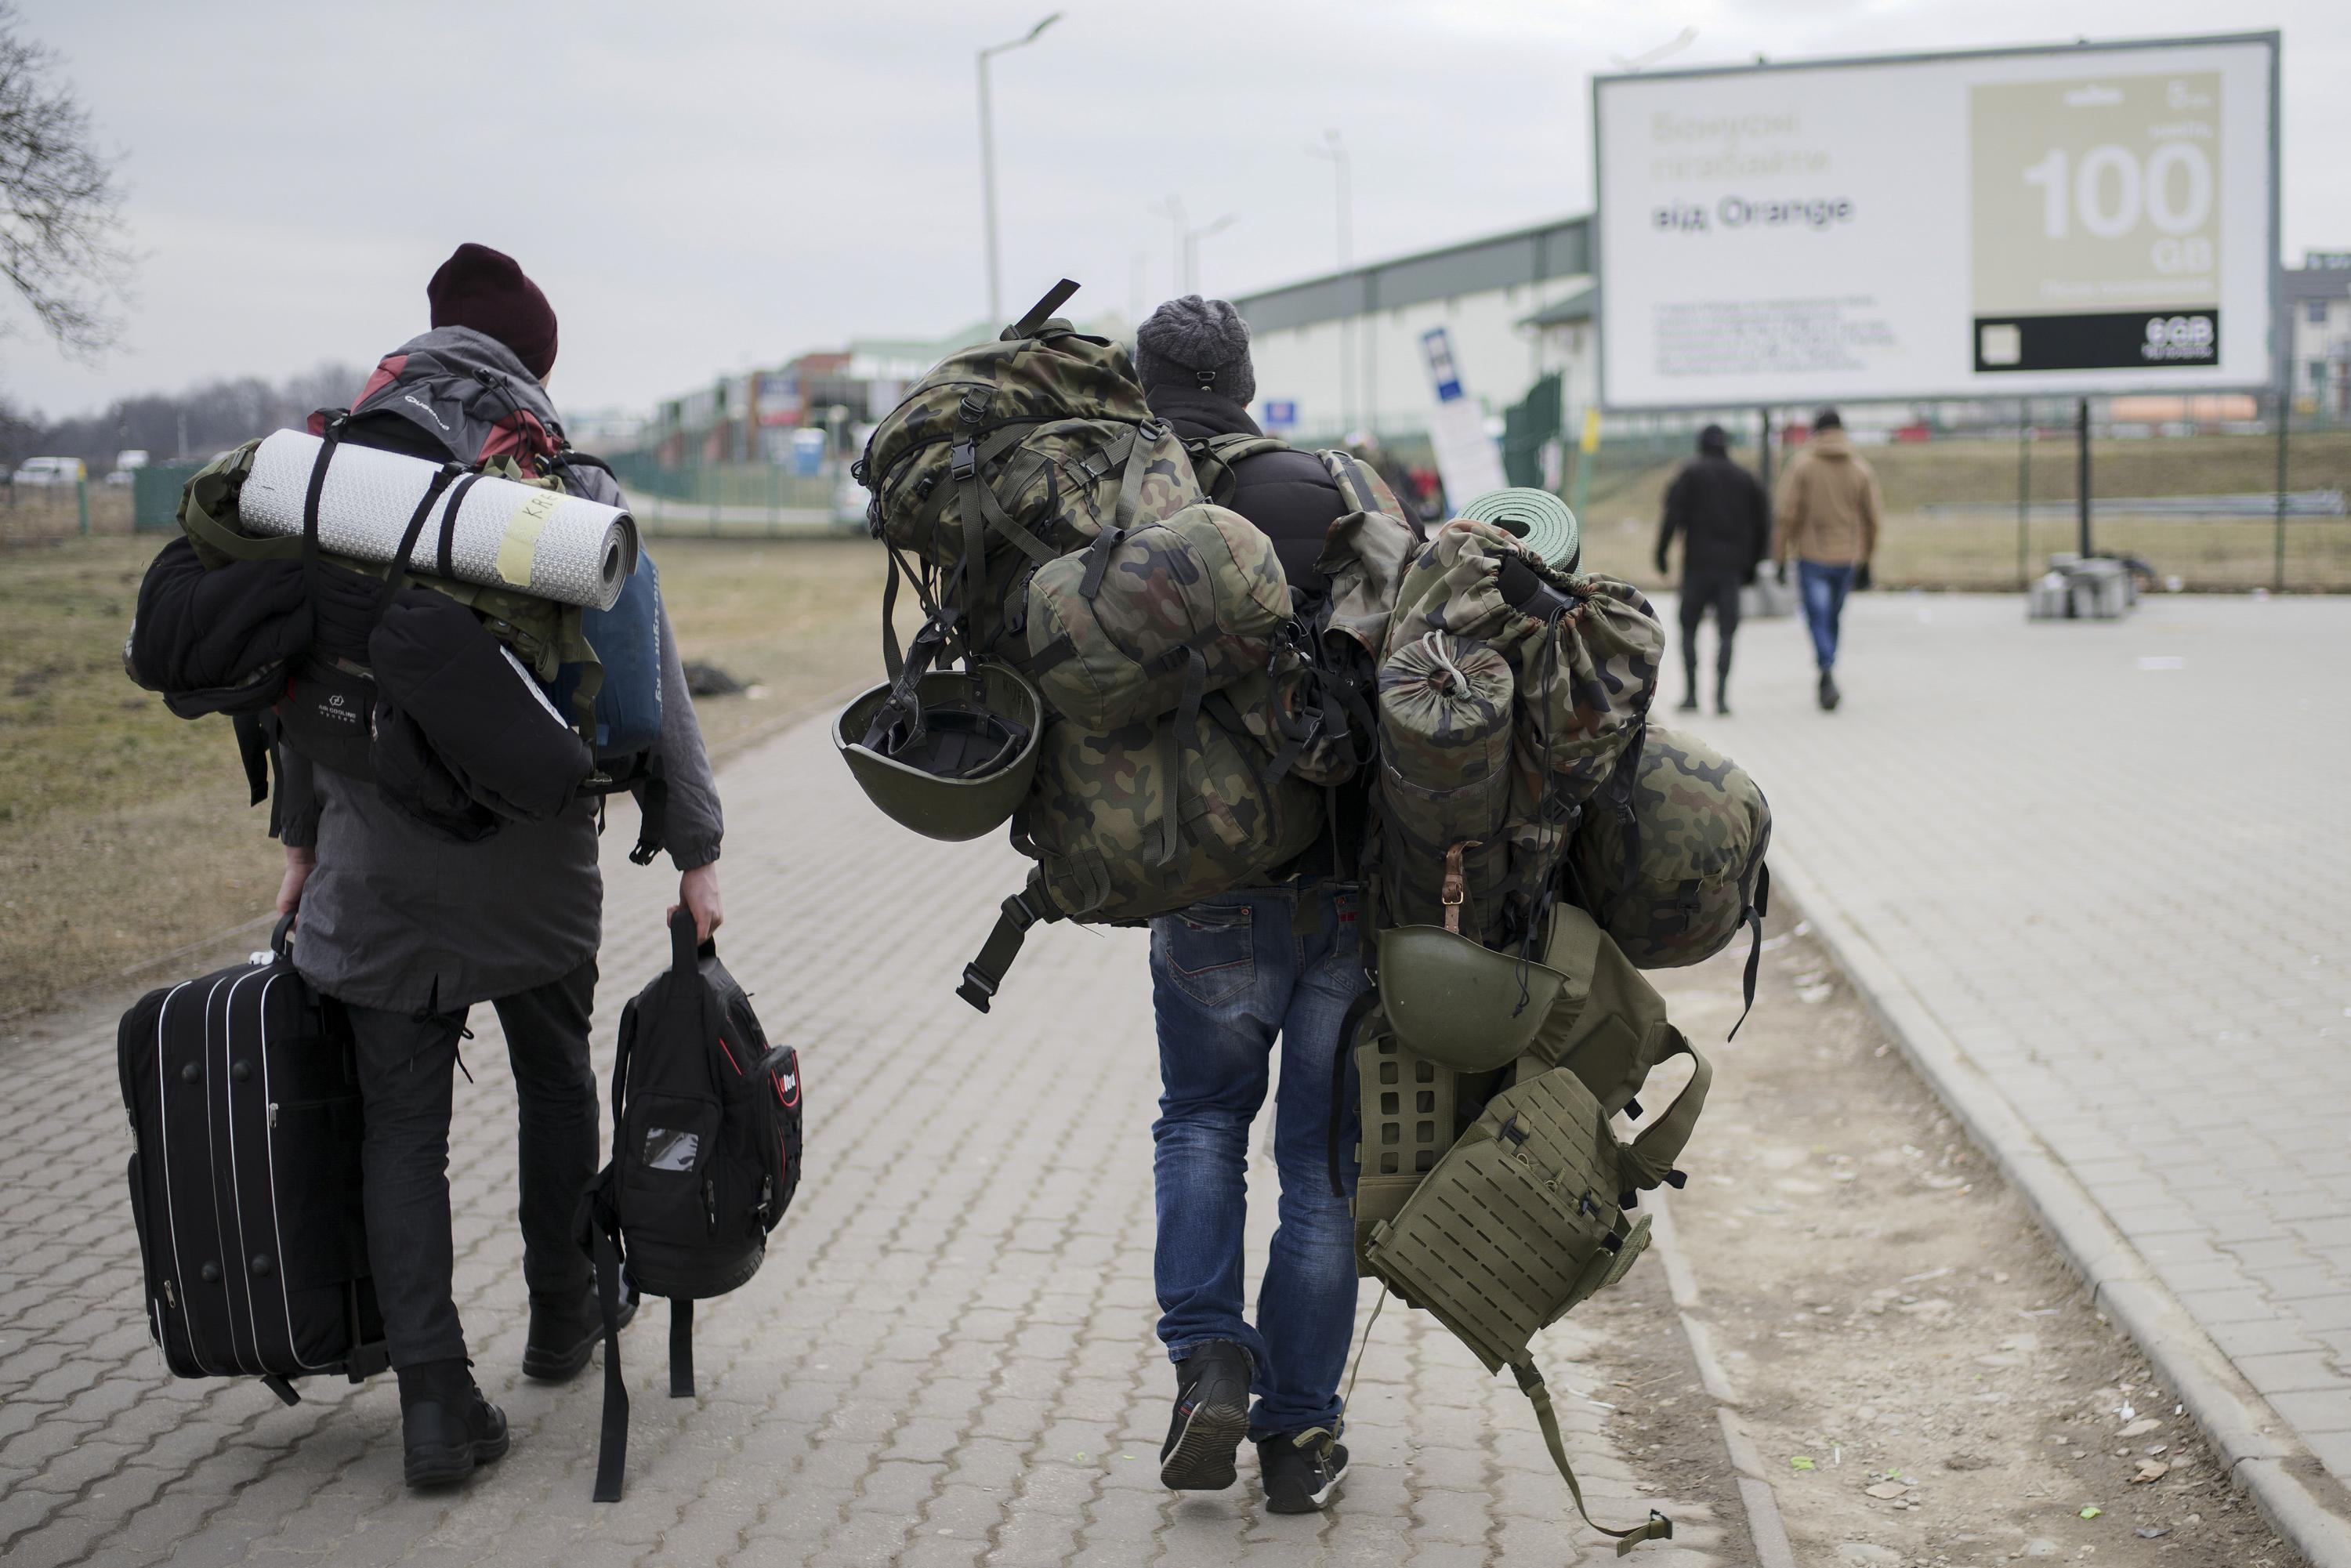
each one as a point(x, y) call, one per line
point(1673, 862)
point(1149, 619)
point(1136, 822)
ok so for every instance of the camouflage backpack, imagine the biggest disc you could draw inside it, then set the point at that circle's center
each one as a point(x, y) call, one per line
point(1672, 861)
point(1050, 524)
point(1507, 692)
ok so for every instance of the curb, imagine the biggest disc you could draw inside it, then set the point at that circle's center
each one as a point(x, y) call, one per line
point(1766, 1530)
point(2260, 1446)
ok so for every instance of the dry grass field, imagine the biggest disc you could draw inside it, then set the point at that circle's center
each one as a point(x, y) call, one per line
point(124, 833)
point(1978, 549)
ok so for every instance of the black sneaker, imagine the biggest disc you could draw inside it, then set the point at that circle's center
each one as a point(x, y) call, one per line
point(1211, 1417)
point(447, 1429)
point(1829, 693)
point(1301, 1471)
point(564, 1332)
point(1689, 702)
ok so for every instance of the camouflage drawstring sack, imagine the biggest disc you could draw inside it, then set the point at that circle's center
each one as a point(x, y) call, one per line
point(1582, 652)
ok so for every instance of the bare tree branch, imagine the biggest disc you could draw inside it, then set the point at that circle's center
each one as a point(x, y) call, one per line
point(60, 209)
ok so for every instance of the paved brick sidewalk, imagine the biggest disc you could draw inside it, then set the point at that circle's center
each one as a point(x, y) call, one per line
point(948, 1359)
point(2113, 861)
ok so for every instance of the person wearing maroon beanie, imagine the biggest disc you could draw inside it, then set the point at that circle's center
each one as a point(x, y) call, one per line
point(409, 929)
point(486, 289)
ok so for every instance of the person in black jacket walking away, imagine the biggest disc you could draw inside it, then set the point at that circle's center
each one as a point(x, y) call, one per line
point(1724, 520)
point(1231, 976)
point(408, 929)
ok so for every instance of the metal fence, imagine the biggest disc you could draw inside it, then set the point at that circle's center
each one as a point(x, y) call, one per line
point(737, 499)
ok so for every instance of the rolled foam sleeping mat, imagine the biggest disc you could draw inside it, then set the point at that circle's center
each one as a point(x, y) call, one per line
point(540, 541)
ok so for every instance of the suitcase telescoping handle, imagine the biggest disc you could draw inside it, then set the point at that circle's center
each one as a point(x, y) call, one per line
point(281, 940)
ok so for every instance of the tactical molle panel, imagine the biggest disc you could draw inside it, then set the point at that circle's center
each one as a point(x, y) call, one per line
point(1150, 619)
point(1520, 1221)
point(1412, 1113)
point(1676, 866)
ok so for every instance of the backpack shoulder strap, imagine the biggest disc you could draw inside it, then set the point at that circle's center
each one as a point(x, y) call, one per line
point(1214, 457)
point(1649, 1159)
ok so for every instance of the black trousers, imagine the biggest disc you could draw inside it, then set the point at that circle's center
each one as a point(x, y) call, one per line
point(407, 1063)
point(1719, 592)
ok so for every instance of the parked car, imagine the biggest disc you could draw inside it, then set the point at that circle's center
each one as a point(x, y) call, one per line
point(48, 471)
point(126, 462)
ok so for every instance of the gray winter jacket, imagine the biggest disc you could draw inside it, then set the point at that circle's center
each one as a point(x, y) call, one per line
point(396, 917)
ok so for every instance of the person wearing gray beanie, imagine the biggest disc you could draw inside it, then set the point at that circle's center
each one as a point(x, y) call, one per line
point(1271, 1375)
point(1196, 342)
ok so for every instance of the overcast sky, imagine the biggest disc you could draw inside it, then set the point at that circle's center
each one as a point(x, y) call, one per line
point(706, 185)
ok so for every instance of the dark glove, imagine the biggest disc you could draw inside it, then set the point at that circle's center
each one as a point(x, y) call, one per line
point(1861, 580)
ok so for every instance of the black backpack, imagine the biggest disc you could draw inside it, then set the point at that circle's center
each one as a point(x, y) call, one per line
point(706, 1158)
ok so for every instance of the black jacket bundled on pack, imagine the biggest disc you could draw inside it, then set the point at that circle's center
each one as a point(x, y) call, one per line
point(214, 641)
point(499, 738)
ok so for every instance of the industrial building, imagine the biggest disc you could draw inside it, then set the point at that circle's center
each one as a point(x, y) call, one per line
point(1344, 351)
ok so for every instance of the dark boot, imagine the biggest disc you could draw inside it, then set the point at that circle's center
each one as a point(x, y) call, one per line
point(1829, 693)
point(1210, 1419)
point(1721, 694)
point(564, 1331)
point(1301, 1471)
point(1689, 670)
point(446, 1427)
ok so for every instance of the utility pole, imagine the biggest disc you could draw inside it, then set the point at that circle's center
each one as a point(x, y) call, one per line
point(1335, 151)
point(987, 167)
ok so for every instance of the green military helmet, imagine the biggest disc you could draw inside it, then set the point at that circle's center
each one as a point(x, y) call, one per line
point(1537, 519)
point(961, 770)
point(1461, 1005)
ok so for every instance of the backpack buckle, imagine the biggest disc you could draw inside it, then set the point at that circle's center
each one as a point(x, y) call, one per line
point(963, 460)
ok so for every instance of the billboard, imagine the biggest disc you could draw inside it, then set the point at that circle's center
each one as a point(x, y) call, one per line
point(2081, 218)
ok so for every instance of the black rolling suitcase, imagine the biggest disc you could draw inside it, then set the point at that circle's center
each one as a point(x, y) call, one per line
point(244, 1095)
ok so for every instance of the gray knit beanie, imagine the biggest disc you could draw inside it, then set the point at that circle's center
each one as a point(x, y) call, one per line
point(1196, 342)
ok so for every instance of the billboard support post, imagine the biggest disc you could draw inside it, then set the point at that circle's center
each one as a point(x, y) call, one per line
point(2277, 570)
point(2024, 493)
point(2082, 473)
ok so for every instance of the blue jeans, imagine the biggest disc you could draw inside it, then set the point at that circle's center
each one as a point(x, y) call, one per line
point(1824, 588)
point(1227, 976)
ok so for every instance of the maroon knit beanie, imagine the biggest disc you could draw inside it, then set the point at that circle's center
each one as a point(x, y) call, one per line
point(485, 289)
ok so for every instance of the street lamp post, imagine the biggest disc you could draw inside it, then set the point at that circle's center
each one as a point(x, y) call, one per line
point(988, 165)
point(1192, 238)
point(1335, 151)
point(1173, 209)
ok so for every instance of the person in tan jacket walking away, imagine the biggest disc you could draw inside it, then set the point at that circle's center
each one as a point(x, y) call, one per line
point(1829, 513)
